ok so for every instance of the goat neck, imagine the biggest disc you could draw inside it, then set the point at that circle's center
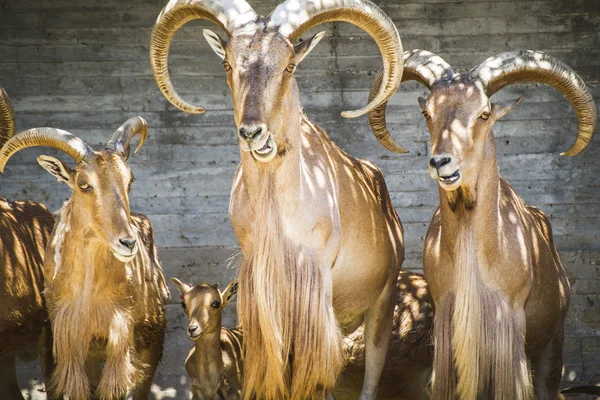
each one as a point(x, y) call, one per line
point(473, 208)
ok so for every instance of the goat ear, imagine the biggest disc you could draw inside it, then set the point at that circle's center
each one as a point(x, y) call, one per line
point(182, 287)
point(422, 103)
point(501, 109)
point(304, 47)
point(216, 43)
point(57, 169)
point(230, 292)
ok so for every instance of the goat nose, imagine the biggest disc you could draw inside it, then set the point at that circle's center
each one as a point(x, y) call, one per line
point(192, 329)
point(438, 162)
point(128, 242)
point(250, 132)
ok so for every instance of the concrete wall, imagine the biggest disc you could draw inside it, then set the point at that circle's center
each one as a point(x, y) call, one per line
point(82, 65)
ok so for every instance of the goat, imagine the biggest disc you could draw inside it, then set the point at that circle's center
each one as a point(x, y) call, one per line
point(322, 244)
point(105, 290)
point(500, 291)
point(24, 231)
point(215, 363)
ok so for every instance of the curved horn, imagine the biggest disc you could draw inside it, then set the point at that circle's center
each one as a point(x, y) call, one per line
point(229, 15)
point(76, 148)
point(533, 66)
point(294, 17)
point(120, 139)
point(7, 118)
point(419, 65)
point(377, 120)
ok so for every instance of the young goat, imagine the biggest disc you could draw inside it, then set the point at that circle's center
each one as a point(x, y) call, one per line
point(215, 363)
point(24, 232)
point(105, 290)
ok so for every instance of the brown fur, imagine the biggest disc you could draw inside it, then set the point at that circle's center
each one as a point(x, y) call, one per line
point(284, 280)
point(214, 364)
point(104, 311)
point(315, 226)
point(218, 374)
point(24, 232)
point(410, 354)
point(500, 291)
point(103, 308)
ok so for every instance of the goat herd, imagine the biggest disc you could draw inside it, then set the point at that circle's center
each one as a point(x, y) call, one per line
point(323, 306)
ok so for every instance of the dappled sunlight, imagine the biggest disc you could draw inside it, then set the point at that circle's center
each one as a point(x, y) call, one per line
point(24, 232)
point(411, 343)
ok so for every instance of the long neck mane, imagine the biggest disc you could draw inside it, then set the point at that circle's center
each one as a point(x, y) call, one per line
point(290, 330)
point(80, 256)
point(85, 287)
point(486, 336)
point(473, 210)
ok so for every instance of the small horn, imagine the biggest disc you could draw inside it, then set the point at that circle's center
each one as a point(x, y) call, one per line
point(229, 15)
point(534, 66)
point(294, 17)
point(7, 118)
point(419, 65)
point(119, 141)
point(58, 139)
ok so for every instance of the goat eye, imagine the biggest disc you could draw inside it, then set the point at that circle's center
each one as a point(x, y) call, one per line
point(84, 186)
point(226, 65)
point(290, 68)
point(215, 304)
point(426, 115)
point(485, 116)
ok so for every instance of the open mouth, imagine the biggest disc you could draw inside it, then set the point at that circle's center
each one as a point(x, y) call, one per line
point(122, 257)
point(267, 152)
point(450, 178)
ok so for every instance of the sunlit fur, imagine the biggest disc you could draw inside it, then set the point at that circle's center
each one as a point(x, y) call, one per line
point(215, 363)
point(500, 291)
point(24, 232)
point(322, 243)
point(409, 359)
point(103, 309)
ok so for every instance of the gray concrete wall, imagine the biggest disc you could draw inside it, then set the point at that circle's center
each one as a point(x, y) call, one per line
point(82, 65)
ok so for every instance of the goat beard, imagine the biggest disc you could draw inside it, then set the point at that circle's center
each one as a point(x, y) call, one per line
point(464, 196)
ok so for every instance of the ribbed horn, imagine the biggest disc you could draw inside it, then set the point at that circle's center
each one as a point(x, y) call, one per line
point(76, 148)
point(419, 65)
point(229, 15)
point(120, 139)
point(377, 120)
point(294, 17)
point(7, 118)
point(533, 66)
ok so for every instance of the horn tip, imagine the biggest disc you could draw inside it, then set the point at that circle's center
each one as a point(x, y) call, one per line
point(354, 114)
point(192, 110)
point(573, 151)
